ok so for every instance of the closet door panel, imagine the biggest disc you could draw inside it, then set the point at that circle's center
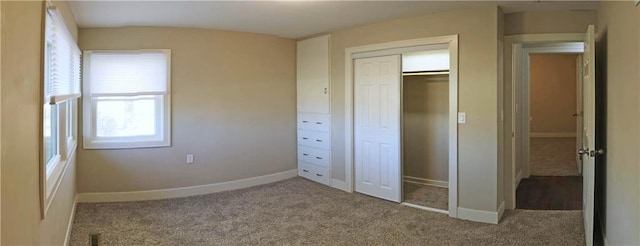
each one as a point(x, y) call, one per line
point(313, 96)
point(377, 127)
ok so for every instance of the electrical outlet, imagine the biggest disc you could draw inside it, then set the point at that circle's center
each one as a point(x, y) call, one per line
point(189, 158)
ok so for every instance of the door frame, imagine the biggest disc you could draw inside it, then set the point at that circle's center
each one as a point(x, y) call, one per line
point(514, 55)
point(451, 42)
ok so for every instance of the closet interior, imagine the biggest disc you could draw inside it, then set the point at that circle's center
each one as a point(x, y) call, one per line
point(425, 129)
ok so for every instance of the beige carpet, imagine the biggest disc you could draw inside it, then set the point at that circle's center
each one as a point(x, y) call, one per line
point(425, 195)
point(297, 212)
point(553, 157)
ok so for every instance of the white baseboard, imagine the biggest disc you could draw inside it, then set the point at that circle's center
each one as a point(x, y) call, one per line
point(552, 134)
point(185, 191)
point(431, 182)
point(479, 215)
point(501, 211)
point(339, 184)
point(71, 218)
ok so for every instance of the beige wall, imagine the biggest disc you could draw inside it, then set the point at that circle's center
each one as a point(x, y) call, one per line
point(426, 127)
point(21, 117)
point(560, 21)
point(478, 87)
point(619, 23)
point(552, 93)
point(233, 107)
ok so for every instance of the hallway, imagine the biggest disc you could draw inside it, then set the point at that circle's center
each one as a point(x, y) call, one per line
point(553, 157)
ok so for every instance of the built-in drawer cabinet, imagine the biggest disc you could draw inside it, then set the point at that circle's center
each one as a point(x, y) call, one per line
point(314, 173)
point(313, 106)
point(314, 122)
point(314, 139)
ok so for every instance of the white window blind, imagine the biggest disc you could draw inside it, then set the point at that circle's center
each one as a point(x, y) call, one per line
point(126, 98)
point(64, 67)
point(135, 73)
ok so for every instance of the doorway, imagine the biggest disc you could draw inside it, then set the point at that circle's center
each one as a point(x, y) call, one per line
point(553, 89)
point(375, 153)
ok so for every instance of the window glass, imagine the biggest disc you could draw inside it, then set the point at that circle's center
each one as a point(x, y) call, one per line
point(50, 133)
point(126, 117)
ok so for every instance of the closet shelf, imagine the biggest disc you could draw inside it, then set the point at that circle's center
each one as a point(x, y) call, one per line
point(424, 73)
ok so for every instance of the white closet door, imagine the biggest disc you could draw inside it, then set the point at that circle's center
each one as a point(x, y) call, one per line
point(313, 75)
point(377, 127)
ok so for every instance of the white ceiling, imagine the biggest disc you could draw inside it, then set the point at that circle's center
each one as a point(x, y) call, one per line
point(291, 19)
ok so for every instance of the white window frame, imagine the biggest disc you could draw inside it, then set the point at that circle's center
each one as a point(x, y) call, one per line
point(53, 170)
point(162, 137)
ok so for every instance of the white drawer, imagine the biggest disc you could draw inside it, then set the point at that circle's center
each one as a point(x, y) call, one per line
point(319, 140)
point(315, 173)
point(314, 156)
point(314, 122)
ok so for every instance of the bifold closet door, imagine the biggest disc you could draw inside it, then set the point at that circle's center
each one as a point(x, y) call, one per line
point(377, 126)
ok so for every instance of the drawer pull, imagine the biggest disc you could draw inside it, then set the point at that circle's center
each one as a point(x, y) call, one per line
point(318, 157)
point(319, 140)
point(305, 154)
point(305, 121)
point(319, 175)
point(318, 123)
point(305, 138)
point(305, 170)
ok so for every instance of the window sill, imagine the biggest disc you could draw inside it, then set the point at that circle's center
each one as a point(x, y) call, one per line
point(88, 144)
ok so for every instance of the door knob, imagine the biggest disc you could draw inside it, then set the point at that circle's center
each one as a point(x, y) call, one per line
point(583, 151)
point(593, 153)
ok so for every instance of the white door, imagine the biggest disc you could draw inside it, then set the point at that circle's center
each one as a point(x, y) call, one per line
point(377, 127)
point(312, 75)
point(589, 133)
point(579, 109)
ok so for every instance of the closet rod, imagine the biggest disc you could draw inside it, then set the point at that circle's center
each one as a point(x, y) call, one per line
point(424, 73)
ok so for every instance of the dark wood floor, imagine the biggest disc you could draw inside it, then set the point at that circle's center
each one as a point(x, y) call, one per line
point(550, 193)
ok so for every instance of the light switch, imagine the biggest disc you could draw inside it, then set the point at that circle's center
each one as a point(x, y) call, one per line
point(462, 117)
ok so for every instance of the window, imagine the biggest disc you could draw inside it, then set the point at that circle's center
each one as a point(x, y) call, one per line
point(61, 88)
point(127, 99)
